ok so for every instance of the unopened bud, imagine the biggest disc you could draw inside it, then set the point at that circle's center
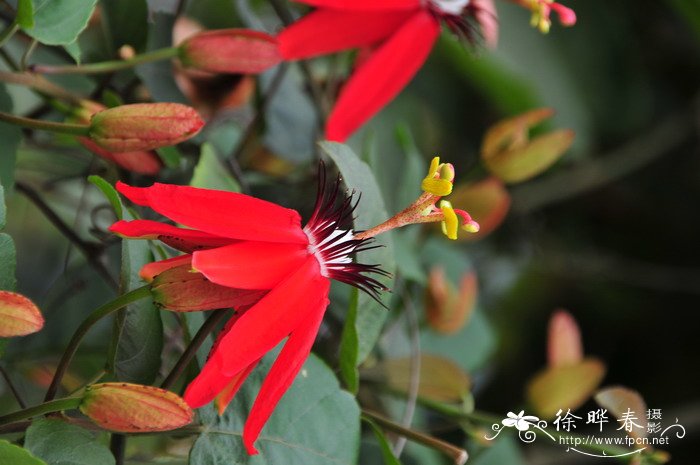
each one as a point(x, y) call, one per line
point(240, 51)
point(180, 289)
point(144, 126)
point(18, 315)
point(133, 408)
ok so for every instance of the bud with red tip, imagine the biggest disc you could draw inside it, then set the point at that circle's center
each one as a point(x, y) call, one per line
point(18, 315)
point(240, 51)
point(144, 126)
point(133, 408)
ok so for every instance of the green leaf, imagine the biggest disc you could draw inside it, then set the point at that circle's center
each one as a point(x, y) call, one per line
point(60, 443)
point(315, 423)
point(110, 192)
point(15, 455)
point(25, 14)
point(59, 22)
point(210, 173)
point(126, 23)
point(11, 136)
point(8, 259)
point(137, 341)
point(349, 345)
point(370, 212)
point(170, 156)
point(158, 76)
point(3, 207)
point(74, 51)
point(387, 454)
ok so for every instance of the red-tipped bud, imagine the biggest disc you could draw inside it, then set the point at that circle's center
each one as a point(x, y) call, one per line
point(18, 315)
point(133, 408)
point(144, 126)
point(143, 162)
point(181, 289)
point(240, 51)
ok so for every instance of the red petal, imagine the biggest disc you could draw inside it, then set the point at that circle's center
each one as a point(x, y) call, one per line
point(250, 265)
point(221, 213)
point(282, 374)
point(186, 240)
point(207, 385)
point(326, 31)
point(139, 162)
point(383, 75)
point(153, 269)
point(272, 319)
point(365, 4)
point(225, 396)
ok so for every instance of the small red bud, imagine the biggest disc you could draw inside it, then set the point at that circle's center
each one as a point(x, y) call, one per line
point(240, 51)
point(144, 126)
point(18, 315)
point(133, 408)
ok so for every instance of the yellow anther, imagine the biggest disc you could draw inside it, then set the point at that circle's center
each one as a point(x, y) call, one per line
point(439, 179)
point(450, 223)
point(471, 227)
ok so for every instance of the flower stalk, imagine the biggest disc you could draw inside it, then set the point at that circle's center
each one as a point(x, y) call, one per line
point(57, 405)
point(30, 123)
point(103, 311)
point(109, 66)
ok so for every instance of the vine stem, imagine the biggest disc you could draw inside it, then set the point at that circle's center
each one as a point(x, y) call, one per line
point(192, 348)
point(8, 32)
point(63, 128)
point(57, 405)
point(103, 311)
point(109, 66)
point(457, 454)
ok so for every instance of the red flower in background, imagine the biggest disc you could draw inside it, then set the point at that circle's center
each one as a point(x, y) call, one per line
point(255, 256)
point(403, 32)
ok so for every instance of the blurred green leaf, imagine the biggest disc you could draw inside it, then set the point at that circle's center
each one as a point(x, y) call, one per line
point(503, 451)
point(137, 339)
point(349, 346)
point(158, 76)
point(110, 192)
point(74, 51)
point(59, 22)
point(11, 136)
point(15, 455)
point(564, 387)
point(170, 156)
point(210, 172)
point(60, 443)
point(387, 454)
point(315, 423)
point(370, 212)
point(3, 206)
point(126, 23)
point(25, 14)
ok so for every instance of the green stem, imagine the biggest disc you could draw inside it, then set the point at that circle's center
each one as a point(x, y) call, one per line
point(57, 405)
point(63, 128)
point(105, 310)
point(109, 66)
point(458, 455)
point(40, 84)
point(8, 32)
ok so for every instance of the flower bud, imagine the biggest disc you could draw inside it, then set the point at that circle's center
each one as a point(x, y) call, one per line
point(241, 51)
point(133, 408)
point(143, 162)
point(447, 310)
point(144, 126)
point(18, 315)
point(180, 289)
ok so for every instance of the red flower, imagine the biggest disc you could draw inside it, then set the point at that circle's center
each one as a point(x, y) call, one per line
point(256, 257)
point(403, 32)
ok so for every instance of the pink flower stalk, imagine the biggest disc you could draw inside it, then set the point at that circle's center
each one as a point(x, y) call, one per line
point(402, 34)
point(255, 256)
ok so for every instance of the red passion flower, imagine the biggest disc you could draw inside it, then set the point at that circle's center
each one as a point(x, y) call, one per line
point(277, 274)
point(403, 33)
point(255, 256)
